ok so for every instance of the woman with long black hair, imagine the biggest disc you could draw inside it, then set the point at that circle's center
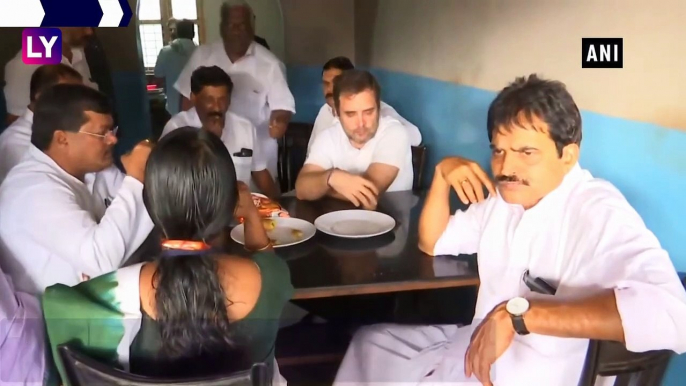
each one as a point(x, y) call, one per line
point(193, 310)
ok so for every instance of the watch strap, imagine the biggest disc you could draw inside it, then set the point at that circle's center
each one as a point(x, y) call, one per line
point(519, 325)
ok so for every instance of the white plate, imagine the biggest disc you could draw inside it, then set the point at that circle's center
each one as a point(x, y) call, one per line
point(355, 224)
point(283, 233)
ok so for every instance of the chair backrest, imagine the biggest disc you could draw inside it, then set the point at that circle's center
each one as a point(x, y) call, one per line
point(605, 358)
point(292, 153)
point(418, 161)
point(85, 371)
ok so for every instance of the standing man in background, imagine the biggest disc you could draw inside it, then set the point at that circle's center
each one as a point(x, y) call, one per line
point(18, 74)
point(172, 59)
point(260, 92)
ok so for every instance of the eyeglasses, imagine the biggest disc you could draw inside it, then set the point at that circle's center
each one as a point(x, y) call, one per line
point(112, 132)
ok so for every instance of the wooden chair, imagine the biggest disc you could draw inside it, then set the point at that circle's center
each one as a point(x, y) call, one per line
point(418, 162)
point(85, 371)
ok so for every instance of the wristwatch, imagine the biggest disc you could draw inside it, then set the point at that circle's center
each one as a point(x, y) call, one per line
point(517, 307)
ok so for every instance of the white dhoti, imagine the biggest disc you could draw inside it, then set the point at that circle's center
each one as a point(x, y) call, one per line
point(434, 355)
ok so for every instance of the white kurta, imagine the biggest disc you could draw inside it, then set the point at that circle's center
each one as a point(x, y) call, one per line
point(56, 229)
point(260, 87)
point(390, 146)
point(239, 133)
point(18, 79)
point(14, 141)
point(326, 119)
point(582, 237)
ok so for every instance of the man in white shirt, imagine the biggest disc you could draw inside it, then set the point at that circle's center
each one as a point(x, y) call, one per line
point(549, 220)
point(327, 114)
point(363, 155)
point(57, 226)
point(15, 140)
point(211, 97)
point(18, 74)
point(260, 93)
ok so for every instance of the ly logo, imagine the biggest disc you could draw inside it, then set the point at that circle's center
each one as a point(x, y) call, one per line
point(41, 46)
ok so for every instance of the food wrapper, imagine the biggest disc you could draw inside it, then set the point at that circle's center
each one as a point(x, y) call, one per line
point(266, 207)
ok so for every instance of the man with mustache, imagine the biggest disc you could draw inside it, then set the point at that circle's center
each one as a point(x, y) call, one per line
point(327, 114)
point(58, 225)
point(364, 154)
point(546, 219)
point(18, 74)
point(211, 90)
point(261, 92)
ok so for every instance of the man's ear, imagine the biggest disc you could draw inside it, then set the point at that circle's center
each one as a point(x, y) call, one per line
point(570, 155)
point(60, 138)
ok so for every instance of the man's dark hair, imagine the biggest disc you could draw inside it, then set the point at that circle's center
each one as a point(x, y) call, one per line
point(354, 82)
point(185, 29)
point(48, 76)
point(340, 63)
point(210, 76)
point(63, 107)
point(548, 100)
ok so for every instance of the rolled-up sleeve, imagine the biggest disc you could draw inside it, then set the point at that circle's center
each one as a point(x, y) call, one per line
point(17, 82)
point(650, 298)
point(463, 232)
point(279, 96)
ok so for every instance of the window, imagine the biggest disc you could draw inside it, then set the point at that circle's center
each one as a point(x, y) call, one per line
point(153, 16)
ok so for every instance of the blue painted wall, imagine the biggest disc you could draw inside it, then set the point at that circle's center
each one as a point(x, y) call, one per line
point(645, 161)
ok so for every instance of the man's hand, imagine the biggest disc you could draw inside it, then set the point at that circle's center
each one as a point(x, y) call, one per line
point(134, 161)
point(466, 177)
point(278, 123)
point(356, 189)
point(489, 341)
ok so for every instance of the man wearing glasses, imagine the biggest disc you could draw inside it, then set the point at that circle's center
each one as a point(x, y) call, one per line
point(56, 224)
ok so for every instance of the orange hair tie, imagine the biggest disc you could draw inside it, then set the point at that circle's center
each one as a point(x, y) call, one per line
point(185, 245)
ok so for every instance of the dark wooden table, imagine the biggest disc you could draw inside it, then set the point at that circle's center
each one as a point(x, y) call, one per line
point(327, 266)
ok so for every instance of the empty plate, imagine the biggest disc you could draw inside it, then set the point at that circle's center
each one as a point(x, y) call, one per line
point(288, 231)
point(355, 224)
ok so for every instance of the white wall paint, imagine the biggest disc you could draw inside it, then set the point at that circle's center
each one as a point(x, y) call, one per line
point(487, 43)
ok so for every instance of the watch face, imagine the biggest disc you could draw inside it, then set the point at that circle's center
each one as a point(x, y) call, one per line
point(517, 306)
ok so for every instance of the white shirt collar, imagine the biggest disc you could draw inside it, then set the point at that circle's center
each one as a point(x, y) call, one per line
point(28, 115)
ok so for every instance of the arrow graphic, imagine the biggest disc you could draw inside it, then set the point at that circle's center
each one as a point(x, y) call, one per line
point(65, 13)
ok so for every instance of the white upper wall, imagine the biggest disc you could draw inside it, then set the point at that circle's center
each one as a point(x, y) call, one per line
point(487, 43)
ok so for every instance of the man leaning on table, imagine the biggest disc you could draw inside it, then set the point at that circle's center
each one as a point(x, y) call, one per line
point(56, 227)
point(327, 114)
point(260, 92)
point(361, 156)
point(546, 218)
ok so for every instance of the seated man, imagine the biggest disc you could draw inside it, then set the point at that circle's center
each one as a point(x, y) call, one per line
point(361, 156)
point(15, 140)
point(548, 218)
point(211, 89)
point(327, 114)
point(54, 228)
point(22, 337)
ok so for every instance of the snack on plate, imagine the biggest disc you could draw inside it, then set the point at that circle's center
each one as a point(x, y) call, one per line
point(268, 224)
point(268, 208)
